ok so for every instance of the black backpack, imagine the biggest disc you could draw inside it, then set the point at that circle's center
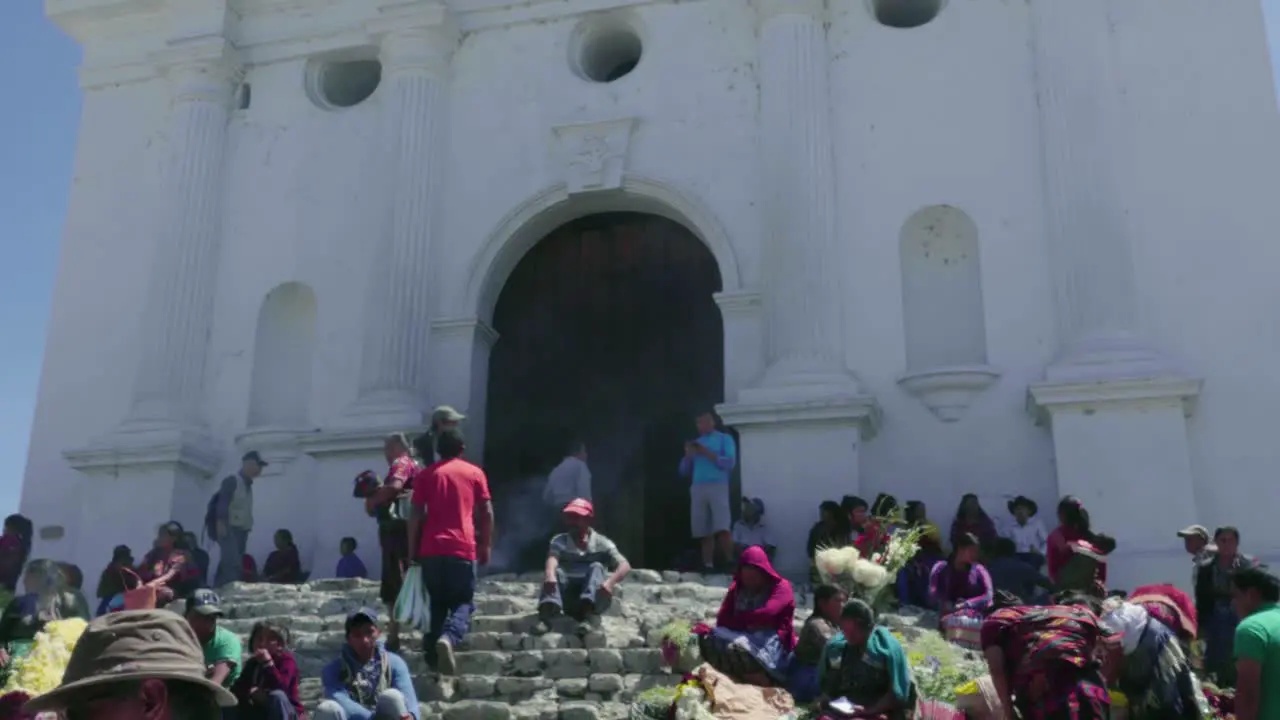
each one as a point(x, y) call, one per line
point(211, 514)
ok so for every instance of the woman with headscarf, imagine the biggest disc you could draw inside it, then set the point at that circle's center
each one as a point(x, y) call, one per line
point(1154, 674)
point(754, 634)
point(960, 589)
point(1075, 557)
point(1044, 661)
point(47, 598)
point(866, 665)
point(1172, 607)
point(972, 519)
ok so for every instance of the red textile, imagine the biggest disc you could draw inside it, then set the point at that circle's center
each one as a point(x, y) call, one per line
point(281, 675)
point(1170, 606)
point(452, 489)
point(778, 612)
point(283, 566)
point(1058, 550)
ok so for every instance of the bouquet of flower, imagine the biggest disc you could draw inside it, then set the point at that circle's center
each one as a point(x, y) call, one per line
point(41, 670)
point(868, 572)
point(679, 646)
point(941, 669)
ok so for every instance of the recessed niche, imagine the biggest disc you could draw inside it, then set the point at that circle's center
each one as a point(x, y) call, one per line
point(605, 48)
point(905, 13)
point(336, 83)
point(244, 96)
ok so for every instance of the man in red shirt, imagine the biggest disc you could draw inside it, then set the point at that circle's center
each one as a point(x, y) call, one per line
point(452, 537)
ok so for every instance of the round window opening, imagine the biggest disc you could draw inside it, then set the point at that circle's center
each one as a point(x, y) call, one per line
point(337, 84)
point(604, 50)
point(905, 13)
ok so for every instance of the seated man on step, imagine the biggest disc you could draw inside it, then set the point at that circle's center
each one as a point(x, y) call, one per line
point(583, 568)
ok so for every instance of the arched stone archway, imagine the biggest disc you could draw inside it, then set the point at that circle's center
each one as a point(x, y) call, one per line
point(610, 334)
point(528, 223)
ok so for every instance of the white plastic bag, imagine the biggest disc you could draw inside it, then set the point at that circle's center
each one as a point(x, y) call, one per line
point(412, 604)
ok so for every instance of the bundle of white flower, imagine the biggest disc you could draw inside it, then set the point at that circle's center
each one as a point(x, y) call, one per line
point(41, 670)
point(867, 578)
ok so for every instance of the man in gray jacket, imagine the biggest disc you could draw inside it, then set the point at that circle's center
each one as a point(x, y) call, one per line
point(235, 518)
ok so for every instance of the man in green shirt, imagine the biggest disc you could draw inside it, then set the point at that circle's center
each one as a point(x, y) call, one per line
point(1254, 593)
point(222, 650)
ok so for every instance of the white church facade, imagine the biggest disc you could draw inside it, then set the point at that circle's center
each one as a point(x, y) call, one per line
point(954, 245)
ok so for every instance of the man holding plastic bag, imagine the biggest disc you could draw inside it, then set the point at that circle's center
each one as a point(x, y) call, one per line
point(452, 538)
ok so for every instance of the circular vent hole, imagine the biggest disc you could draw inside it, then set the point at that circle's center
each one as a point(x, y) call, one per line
point(905, 13)
point(343, 83)
point(606, 50)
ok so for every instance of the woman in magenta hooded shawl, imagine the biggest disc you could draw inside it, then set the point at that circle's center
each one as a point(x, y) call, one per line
point(754, 634)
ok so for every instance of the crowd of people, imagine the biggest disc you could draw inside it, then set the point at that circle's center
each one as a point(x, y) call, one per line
point(1036, 604)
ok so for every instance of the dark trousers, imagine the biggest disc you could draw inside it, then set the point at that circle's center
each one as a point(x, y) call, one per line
point(569, 594)
point(450, 583)
point(277, 707)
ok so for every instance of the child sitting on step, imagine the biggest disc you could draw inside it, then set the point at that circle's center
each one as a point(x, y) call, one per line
point(268, 685)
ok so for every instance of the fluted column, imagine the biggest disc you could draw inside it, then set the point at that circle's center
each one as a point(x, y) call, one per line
point(802, 258)
point(415, 62)
point(1090, 248)
point(169, 388)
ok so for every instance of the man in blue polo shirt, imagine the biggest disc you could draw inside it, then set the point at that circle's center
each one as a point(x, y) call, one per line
point(707, 463)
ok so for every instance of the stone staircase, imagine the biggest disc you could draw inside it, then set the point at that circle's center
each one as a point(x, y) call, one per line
point(504, 669)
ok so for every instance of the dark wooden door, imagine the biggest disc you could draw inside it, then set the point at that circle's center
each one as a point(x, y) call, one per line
point(609, 332)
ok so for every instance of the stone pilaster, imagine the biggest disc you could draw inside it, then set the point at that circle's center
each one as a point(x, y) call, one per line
point(415, 54)
point(169, 387)
point(1116, 406)
point(802, 296)
point(1089, 244)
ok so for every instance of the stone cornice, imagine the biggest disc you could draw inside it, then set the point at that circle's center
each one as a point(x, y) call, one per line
point(738, 302)
point(147, 451)
point(772, 8)
point(345, 443)
point(1045, 399)
point(861, 411)
point(120, 36)
point(465, 326)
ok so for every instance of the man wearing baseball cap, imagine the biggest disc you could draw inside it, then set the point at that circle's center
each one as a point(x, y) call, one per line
point(1195, 538)
point(443, 418)
point(221, 647)
point(232, 518)
point(367, 680)
point(137, 664)
point(583, 568)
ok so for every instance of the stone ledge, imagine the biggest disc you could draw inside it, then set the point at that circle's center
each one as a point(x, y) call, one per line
point(860, 410)
point(147, 450)
point(947, 392)
point(1044, 399)
point(345, 443)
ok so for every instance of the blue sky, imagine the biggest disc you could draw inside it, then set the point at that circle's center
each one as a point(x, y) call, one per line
point(37, 148)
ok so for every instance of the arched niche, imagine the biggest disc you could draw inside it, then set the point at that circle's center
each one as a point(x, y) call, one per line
point(283, 348)
point(944, 323)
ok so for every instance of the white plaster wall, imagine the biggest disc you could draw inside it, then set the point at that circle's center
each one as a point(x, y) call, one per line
point(942, 114)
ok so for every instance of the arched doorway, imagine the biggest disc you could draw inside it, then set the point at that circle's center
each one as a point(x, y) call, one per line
point(608, 332)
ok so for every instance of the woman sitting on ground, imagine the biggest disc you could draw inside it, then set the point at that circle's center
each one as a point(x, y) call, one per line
point(1154, 673)
point(112, 581)
point(169, 567)
point(972, 519)
point(1044, 660)
point(283, 565)
point(913, 579)
point(866, 665)
point(754, 634)
point(822, 625)
point(960, 590)
point(1075, 557)
point(831, 531)
point(268, 685)
point(46, 598)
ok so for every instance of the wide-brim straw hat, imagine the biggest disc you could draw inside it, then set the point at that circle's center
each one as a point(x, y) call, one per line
point(127, 647)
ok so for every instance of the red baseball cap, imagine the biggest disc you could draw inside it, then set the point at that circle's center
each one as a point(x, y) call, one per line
point(580, 507)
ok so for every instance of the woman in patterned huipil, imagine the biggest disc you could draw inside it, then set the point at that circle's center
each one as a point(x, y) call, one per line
point(866, 665)
point(386, 504)
point(1045, 661)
